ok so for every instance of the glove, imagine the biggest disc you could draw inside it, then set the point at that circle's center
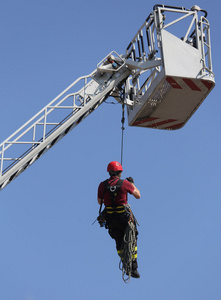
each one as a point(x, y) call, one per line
point(130, 179)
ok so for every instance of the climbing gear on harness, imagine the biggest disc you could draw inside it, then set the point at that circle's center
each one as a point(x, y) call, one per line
point(101, 219)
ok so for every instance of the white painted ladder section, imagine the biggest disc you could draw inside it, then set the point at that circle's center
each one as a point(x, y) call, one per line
point(56, 119)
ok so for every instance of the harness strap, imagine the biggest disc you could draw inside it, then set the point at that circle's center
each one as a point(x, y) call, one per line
point(112, 189)
point(116, 209)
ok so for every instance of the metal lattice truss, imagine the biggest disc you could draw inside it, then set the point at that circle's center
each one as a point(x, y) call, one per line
point(56, 119)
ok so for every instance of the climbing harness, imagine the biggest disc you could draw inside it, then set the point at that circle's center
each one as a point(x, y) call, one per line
point(116, 209)
point(113, 190)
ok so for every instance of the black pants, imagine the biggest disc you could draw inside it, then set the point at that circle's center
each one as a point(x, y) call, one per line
point(117, 223)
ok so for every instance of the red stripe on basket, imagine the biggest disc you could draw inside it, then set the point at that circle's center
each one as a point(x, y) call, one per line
point(162, 123)
point(139, 122)
point(173, 83)
point(207, 83)
point(191, 84)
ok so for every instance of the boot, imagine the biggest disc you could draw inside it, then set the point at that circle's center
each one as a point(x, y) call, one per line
point(135, 273)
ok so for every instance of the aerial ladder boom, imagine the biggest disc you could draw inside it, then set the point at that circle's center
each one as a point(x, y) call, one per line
point(59, 117)
point(162, 78)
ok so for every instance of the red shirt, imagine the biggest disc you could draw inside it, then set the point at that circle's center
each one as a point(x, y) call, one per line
point(121, 198)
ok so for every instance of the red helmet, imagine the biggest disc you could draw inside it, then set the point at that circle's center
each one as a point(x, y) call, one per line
point(114, 166)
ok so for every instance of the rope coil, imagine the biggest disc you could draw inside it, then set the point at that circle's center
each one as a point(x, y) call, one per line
point(129, 250)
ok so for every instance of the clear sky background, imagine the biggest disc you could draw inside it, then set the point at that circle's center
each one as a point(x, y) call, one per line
point(49, 248)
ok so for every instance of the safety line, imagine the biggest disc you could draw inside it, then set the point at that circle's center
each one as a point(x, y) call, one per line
point(122, 132)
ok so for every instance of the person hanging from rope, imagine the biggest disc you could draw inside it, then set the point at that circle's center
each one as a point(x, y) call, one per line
point(117, 213)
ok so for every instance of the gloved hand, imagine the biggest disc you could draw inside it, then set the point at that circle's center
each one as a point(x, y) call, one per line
point(130, 179)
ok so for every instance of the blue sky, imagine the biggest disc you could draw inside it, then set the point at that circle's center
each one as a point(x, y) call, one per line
point(49, 249)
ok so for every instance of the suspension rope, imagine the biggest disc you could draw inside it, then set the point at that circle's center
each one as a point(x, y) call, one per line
point(122, 132)
point(129, 250)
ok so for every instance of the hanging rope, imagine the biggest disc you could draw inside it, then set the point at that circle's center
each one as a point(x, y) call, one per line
point(121, 98)
point(122, 132)
point(129, 251)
